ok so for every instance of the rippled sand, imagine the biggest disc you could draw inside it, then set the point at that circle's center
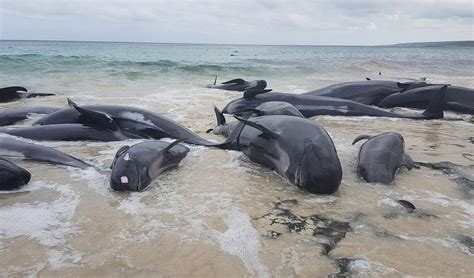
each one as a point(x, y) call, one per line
point(218, 214)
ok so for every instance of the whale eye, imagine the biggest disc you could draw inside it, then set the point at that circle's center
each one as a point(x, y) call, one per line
point(124, 179)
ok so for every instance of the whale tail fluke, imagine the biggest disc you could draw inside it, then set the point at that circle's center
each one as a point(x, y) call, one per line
point(437, 104)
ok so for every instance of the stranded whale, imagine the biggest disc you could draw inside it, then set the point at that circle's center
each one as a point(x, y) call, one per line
point(311, 106)
point(12, 176)
point(10, 148)
point(239, 85)
point(135, 167)
point(296, 148)
point(8, 94)
point(381, 156)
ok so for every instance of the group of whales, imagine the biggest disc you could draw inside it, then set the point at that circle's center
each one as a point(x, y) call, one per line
point(271, 129)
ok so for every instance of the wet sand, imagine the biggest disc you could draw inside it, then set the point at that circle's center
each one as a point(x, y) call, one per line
point(218, 214)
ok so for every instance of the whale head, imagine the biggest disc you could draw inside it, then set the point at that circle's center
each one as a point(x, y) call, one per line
point(12, 176)
point(126, 175)
point(319, 170)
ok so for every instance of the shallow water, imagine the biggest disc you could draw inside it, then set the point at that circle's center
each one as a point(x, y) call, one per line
point(218, 213)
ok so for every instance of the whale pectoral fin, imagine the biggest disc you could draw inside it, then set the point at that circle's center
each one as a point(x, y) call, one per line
point(215, 80)
point(266, 133)
point(361, 137)
point(250, 94)
point(407, 162)
point(94, 118)
point(236, 81)
point(70, 102)
point(219, 116)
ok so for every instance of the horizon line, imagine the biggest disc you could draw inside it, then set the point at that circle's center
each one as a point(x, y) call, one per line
point(242, 44)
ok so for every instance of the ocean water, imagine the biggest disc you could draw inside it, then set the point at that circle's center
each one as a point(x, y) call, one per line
point(218, 213)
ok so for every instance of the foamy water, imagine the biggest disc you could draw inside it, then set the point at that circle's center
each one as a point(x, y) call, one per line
point(218, 214)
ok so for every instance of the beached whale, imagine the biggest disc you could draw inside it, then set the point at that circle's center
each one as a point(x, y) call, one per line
point(8, 94)
point(296, 148)
point(13, 115)
point(369, 92)
point(12, 176)
point(381, 156)
point(239, 85)
point(458, 99)
point(11, 148)
point(68, 132)
point(264, 109)
point(135, 167)
point(129, 120)
point(311, 106)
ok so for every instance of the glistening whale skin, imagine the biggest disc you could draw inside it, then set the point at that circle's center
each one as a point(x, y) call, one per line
point(296, 148)
point(9, 94)
point(135, 167)
point(130, 120)
point(67, 132)
point(12, 176)
point(11, 116)
point(458, 99)
point(311, 106)
point(369, 92)
point(381, 156)
point(11, 148)
point(239, 85)
point(264, 109)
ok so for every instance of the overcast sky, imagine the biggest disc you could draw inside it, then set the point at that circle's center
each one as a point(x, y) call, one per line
point(364, 22)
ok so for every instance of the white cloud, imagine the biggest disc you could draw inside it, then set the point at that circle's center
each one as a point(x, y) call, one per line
point(239, 21)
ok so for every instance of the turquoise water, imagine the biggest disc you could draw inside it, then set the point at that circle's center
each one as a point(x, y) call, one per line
point(177, 65)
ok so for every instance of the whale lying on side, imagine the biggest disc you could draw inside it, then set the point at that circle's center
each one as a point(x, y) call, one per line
point(131, 121)
point(12, 176)
point(311, 106)
point(11, 148)
point(458, 99)
point(369, 92)
point(8, 94)
point(135, 167)
point(239, 85)
point(381, 156)
point(11, 116)
point(265, 109)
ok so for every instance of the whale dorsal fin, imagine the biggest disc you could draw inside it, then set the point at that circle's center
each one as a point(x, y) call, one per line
point(71, 103)
point(98, 119)
point(155, 167)
point(236, 81)
point(406, 161)
point(174, 143)
point(266, 132)
point(119, 153)
point(361, 137)
point(250, 94)
point(437, 104)
point(219, 116)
